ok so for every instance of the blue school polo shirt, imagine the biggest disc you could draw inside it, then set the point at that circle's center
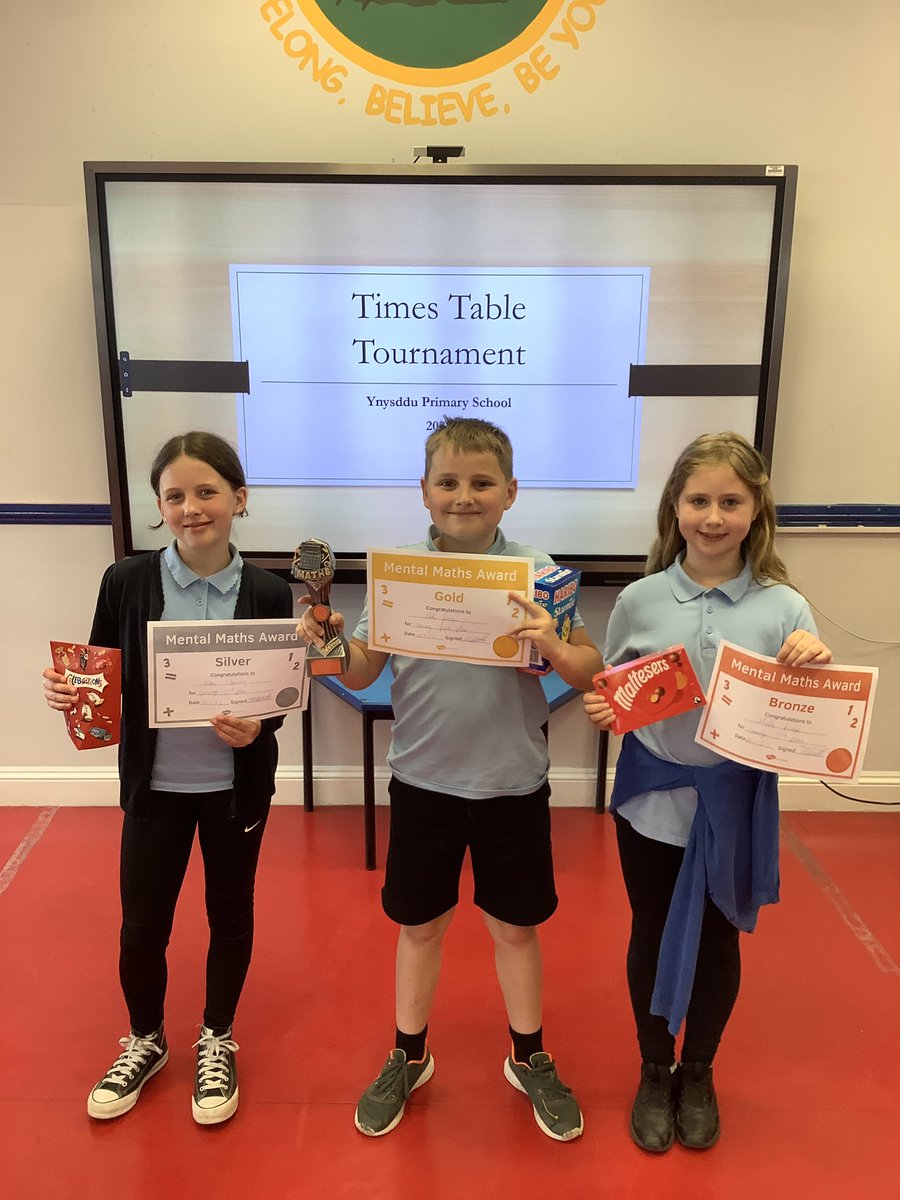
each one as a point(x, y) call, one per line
point(195, 760)
point(465, 729)
point(668, 609)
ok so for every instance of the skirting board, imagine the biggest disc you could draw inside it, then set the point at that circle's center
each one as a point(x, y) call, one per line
point(87, 786)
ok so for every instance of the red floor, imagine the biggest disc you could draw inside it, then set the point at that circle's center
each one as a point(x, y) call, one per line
point(807, 1075)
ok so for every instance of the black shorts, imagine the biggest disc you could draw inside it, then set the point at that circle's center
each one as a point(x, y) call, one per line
point(508, 838)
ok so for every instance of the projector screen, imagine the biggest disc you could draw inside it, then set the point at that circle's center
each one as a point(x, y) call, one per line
point(324, 319)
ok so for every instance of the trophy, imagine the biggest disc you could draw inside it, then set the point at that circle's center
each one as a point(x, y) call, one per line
point(313, 564)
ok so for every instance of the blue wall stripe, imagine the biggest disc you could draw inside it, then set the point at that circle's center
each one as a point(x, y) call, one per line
point(55, 514)
point(838, 516)
point(790, 516)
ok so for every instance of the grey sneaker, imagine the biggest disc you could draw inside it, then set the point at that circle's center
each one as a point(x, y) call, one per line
point(215, 1096)
point(120, 1087)
point(555, 1108)
point(382, 1103)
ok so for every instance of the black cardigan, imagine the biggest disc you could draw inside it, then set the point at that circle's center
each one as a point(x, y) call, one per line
point(131, 595)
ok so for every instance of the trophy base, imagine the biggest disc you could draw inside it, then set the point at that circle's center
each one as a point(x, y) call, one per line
point(327, 666)
point(331, 659)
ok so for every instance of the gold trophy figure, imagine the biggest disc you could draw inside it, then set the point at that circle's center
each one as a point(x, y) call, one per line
point(313, 564)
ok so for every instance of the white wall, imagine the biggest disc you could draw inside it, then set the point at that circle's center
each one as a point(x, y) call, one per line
point(701, 82)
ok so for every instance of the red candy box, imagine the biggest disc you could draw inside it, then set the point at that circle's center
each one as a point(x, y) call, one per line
point(97, 673)
point(650, 689)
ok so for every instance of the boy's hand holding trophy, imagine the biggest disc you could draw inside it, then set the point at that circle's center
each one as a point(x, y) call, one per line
point(313, 564)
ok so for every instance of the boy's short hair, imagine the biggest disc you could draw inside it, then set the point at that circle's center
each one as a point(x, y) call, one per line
point(469, 435)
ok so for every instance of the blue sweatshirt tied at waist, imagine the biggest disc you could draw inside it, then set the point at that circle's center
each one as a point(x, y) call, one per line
point(731, 856)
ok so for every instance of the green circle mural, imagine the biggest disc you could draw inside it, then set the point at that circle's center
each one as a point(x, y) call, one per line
point(430, 34)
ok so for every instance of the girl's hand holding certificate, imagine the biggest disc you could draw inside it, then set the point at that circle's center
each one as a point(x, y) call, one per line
point(801, 648)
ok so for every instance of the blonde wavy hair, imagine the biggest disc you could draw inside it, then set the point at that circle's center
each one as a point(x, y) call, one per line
point(711, 450)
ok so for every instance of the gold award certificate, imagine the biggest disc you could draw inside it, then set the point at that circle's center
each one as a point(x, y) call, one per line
point(452, 606)
point(811, 720)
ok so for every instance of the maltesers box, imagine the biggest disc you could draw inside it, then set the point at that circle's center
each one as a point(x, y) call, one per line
point(556, 589)
point(650, 689)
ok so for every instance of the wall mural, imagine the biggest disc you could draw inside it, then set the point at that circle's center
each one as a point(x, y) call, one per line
point(431, 64)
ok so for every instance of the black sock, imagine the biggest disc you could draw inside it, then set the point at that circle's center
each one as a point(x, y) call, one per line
point(412, 1044)
point(154, 1033)
point(526, 1044)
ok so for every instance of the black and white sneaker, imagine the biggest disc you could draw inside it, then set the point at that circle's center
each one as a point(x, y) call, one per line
point(216, 1086)
point(118, 1090)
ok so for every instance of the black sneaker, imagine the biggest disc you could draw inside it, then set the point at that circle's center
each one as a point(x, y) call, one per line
point(120, 1087)
point(381, 1105)
point(653, 1114)
point(555, 1108)
point(697, 1118)
point(216, 1086)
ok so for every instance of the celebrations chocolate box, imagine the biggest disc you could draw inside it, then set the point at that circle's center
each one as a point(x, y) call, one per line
point(97, 673)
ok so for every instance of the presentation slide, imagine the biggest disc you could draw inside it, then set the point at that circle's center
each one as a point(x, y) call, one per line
point(386, 354)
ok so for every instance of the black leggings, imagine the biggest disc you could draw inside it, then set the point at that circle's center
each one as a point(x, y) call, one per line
point(154, 859)
point(650, 869)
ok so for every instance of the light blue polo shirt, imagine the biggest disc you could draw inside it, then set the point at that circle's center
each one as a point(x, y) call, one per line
point(670, 609)
point(195, 760)
point(464, 729)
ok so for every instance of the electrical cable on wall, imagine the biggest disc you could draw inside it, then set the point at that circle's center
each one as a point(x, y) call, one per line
point(888, 645)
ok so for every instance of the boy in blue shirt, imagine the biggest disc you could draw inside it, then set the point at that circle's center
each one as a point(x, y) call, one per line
point(469, 770)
